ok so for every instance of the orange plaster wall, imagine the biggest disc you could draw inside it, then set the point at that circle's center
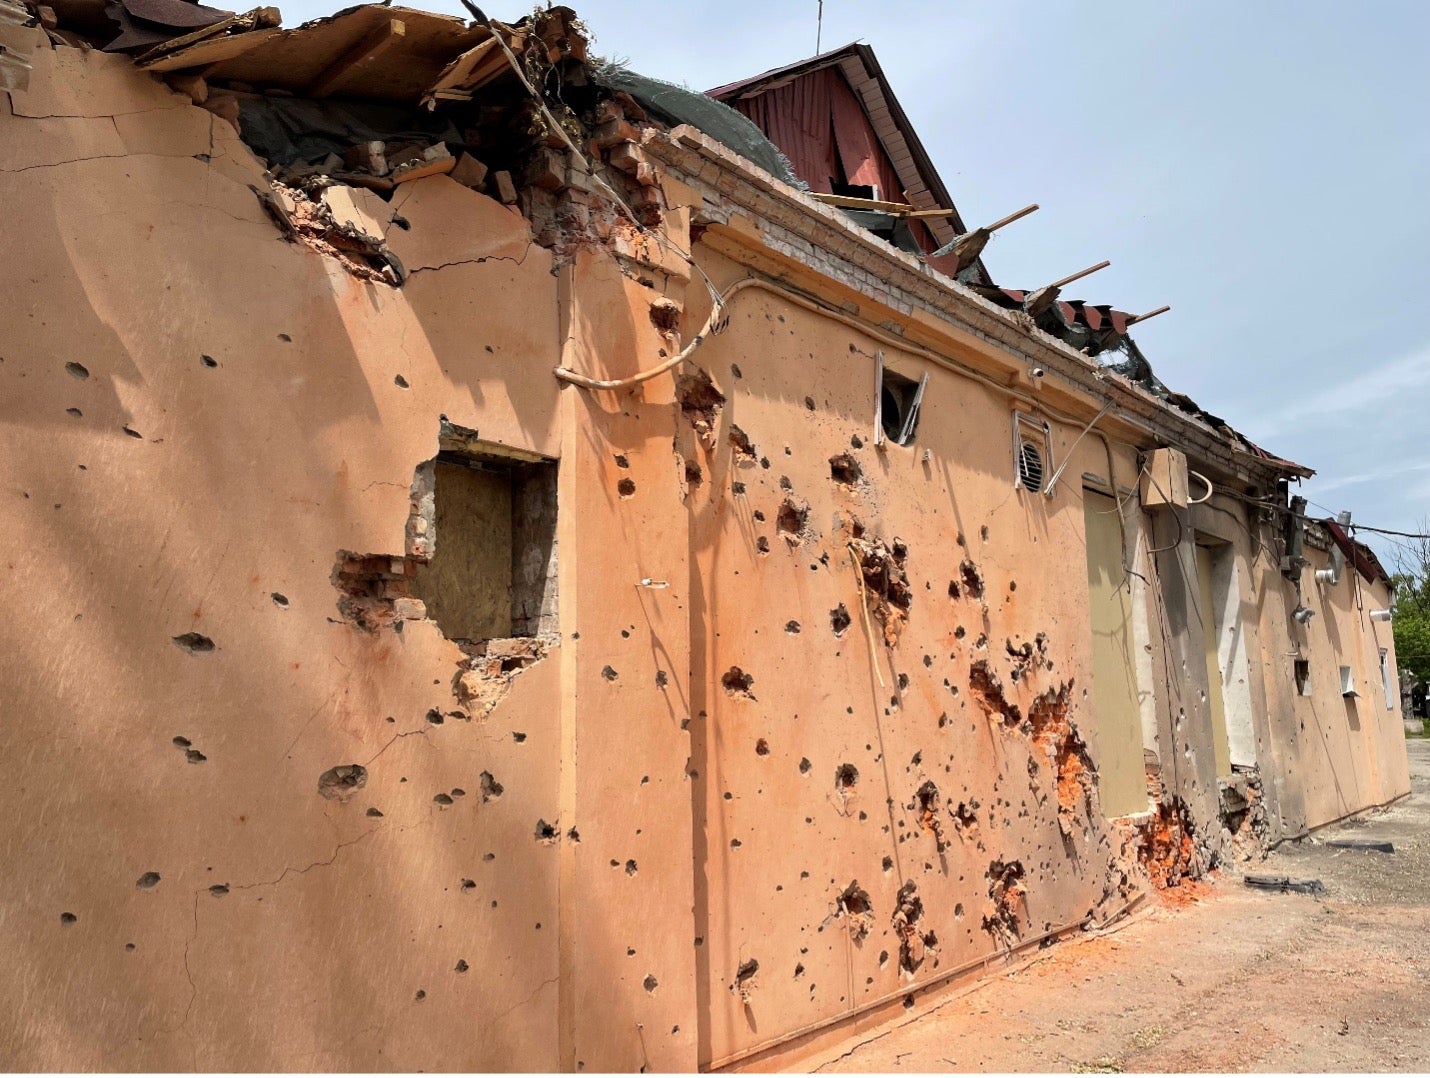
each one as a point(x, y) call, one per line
point(242, 480)
point(779, 841)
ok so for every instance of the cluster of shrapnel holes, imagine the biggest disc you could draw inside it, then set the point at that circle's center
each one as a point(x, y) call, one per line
point(736, 681)
point(191, 754)
point(927, 797)
point(741, 444)
point(854, 900)
point(845, 469)
point(791, 519)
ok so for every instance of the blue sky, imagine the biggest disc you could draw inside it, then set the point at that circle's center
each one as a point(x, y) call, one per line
point(1263, 167)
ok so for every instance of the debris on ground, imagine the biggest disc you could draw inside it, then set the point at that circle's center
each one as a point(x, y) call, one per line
point(1285, 883)
point(1362, 844)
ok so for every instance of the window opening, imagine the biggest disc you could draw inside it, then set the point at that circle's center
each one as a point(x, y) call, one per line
point(1348, 682)
point(897, 404)
point(1385, 679)
point(492, 570)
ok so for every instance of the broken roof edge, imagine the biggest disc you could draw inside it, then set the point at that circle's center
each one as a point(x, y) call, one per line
point(944, 229)
point(1357, 553)
point(948, 299)
point(1220, 441)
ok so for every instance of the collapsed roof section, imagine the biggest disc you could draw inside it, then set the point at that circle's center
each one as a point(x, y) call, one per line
point(375, 96)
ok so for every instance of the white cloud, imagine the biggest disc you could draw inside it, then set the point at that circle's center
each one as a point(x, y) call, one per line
point(1335, 482)
point(1353, 393)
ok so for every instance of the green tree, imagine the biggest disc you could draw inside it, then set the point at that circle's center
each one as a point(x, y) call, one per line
point(1412, 597)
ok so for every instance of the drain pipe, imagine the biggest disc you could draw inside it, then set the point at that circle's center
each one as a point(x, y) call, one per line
point(1332, 575)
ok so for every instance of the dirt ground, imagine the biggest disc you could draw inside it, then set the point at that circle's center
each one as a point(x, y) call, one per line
point(1236, 980)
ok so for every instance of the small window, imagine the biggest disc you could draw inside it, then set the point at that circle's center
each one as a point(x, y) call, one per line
point(855, 190)
point(898, 405)
point(1032, 453)
point(1303, 677)
point(1348, 682)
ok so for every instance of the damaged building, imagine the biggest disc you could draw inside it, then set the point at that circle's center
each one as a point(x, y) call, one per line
point(517, 565)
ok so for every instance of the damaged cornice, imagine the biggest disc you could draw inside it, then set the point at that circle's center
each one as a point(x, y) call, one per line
point(908, 286)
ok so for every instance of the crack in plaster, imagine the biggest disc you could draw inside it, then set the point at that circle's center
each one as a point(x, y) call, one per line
point(393, 739)
point(527, 1001)
point(198, 895)
point(413, 271)
point(287, 753)
point(98, 115)
point(95, 157)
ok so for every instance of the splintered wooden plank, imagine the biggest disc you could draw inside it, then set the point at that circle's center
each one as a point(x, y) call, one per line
point(210, 50)
point(851, 203)
point(373, 45)
point(296, 59)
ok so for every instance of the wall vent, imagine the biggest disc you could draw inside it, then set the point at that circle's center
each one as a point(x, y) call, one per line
point(1032, 452)
point(1030, 467)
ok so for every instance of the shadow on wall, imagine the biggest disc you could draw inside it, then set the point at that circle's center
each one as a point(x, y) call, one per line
point(193, 439)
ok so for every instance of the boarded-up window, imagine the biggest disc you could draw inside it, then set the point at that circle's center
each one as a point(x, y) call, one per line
point(492, 572)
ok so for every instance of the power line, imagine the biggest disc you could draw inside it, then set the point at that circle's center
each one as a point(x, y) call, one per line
point(1387, 531)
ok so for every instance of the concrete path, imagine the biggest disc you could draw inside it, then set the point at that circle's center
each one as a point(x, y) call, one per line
point(1237, 980)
